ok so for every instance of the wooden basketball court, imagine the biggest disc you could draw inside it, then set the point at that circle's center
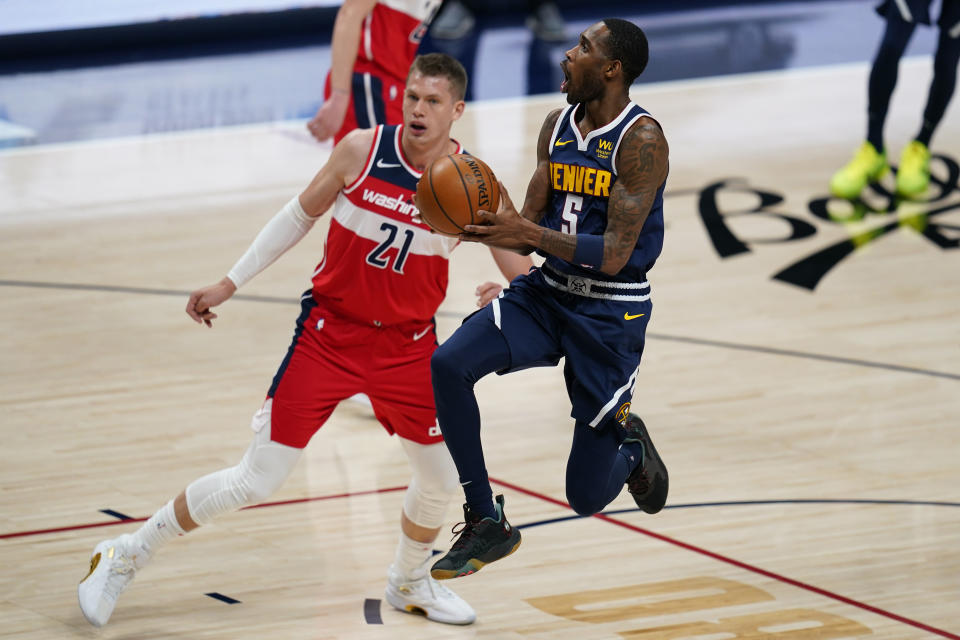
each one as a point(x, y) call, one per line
point(801, 380)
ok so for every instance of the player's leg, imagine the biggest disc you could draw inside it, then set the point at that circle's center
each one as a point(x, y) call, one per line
point(913, 174)
point(475, 350)
point(603, 459)
point(262, 470)
point(402, 398)
point(611, 446)
point(500, 337)
point(283, 426)
point(869, 163)
point(409, 585)
point(598, 466)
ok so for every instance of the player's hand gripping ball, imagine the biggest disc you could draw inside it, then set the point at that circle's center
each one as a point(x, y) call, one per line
point(453, 189)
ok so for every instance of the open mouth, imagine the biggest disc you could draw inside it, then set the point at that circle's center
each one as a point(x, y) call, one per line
point(417, 127)
point(566, 77)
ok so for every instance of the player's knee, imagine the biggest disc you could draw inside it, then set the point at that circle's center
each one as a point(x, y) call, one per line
point(257, 486)
point(440, 362)
point(583, 502)
point(445, 365)
point(264, 470)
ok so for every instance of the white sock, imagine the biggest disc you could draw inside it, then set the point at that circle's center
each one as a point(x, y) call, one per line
point(160, 528)
point(411, 555)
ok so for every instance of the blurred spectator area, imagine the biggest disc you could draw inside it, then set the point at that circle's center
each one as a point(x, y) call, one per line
point(36, 34)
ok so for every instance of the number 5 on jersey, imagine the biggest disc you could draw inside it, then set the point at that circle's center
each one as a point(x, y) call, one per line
point(571, 207)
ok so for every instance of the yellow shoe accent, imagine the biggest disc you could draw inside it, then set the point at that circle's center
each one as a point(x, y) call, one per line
point(867, 166)
point(913, 175)
point(94, 561)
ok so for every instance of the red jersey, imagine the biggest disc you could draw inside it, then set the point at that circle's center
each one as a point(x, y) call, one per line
point(380, 266)
point(391, 34)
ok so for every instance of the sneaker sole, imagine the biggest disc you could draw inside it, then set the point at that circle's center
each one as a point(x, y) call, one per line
point(417, 610)
point(471, 566)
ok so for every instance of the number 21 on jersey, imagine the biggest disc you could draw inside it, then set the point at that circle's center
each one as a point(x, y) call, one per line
point(376, 258)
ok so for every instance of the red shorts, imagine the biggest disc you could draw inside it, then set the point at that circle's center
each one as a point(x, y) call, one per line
point(332, 358)
point(374, 99)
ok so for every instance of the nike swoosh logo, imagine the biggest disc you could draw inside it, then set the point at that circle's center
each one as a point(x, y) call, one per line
point(560, 143)
point(463, 484)
point(419, 335)
point(386, 165)
point(627, 316)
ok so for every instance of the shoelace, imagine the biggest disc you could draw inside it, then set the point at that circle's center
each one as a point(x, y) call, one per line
point(467, 529)
point(120, 567)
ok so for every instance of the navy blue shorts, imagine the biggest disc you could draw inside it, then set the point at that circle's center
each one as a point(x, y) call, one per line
point(918, 12)
point(601, 334)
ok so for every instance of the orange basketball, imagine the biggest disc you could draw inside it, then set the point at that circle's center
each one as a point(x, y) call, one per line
point(453, 189)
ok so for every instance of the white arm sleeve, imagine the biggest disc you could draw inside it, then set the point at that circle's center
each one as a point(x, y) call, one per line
point(282, 232)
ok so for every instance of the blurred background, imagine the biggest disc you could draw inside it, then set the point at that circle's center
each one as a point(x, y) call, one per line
point(106, 68)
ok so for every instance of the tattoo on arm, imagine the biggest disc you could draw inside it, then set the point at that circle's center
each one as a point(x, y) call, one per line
point(642, 167)
point(559, 244)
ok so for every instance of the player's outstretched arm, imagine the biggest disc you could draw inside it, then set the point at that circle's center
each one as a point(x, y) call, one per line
point(288, 226)
point(343, 55)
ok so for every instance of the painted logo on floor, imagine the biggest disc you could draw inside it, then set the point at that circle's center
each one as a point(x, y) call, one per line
point(877, 214)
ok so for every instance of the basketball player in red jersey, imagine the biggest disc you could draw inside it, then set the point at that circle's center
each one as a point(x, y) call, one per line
point(373, 44)
point(367, 325)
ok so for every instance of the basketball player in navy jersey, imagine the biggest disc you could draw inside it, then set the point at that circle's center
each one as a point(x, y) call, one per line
point(869, 163)
point(366, 326)
point(594, 211)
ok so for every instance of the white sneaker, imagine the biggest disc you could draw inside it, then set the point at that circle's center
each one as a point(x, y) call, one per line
point(423, 595)
point(112, 567)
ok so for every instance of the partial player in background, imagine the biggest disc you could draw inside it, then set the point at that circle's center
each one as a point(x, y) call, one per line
point(372, 47)
point(869, 164)
point(367, 325)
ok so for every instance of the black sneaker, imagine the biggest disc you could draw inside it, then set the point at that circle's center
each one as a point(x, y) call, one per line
point(648, 483)
point(481, 541)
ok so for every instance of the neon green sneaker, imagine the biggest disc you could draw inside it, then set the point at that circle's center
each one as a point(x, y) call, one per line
point(913, 175)
point(867, 166)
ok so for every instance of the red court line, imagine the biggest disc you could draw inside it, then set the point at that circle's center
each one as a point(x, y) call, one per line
point(560, 503)
point(111, 523)
point(738, 563)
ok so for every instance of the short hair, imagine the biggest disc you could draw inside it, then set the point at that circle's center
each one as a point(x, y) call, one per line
point(434, 65)
point(627, 43)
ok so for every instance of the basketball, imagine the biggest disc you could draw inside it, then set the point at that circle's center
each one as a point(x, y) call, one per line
point(453, 189)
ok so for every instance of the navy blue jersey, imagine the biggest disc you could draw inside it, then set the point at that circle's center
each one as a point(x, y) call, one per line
point(582, 174)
